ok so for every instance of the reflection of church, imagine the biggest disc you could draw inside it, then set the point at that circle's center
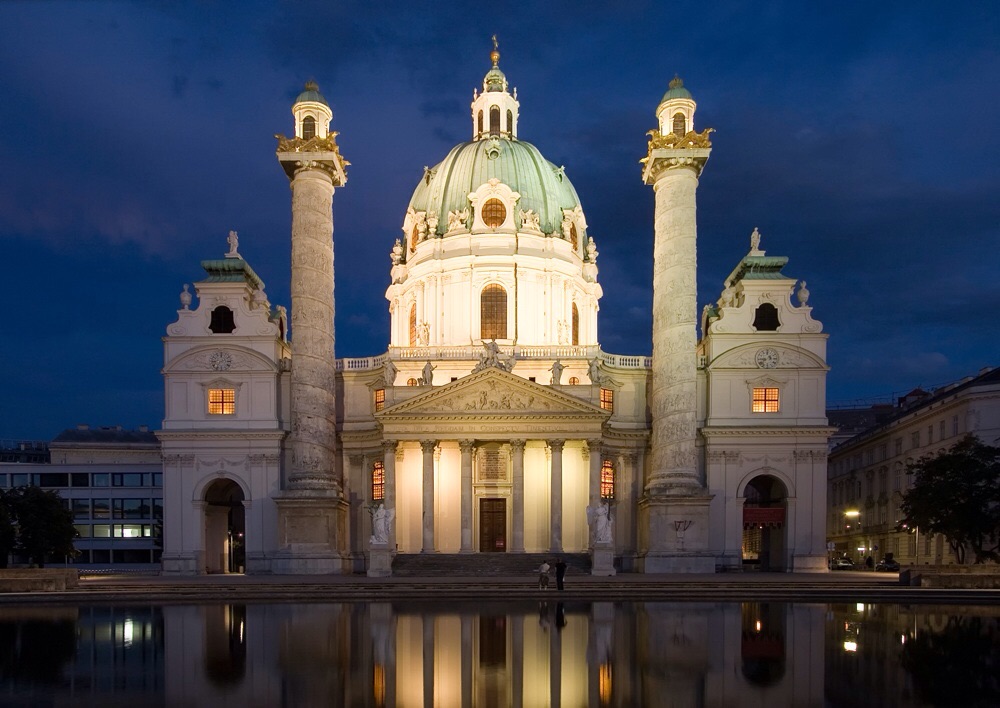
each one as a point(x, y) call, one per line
point(495, 423)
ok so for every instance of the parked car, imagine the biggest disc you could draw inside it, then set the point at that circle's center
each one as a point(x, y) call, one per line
point(887, 565)
point(841, 564)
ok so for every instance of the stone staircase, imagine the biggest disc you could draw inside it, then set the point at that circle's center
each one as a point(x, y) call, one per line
point(448, 565)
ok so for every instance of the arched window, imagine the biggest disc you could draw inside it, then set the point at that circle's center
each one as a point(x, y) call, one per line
point(479, 124)
point(414, 237)
point(766, 318)
point(493, 312)
point(378, 481)
point(413, 325)
point(574, 237)
point(494, 120)
point(510, 123)
point(574, 380)
point(607, 479)
point(494, 213)
point(680, 124)
point(308, 128)
point(576, 325)
point(411, 382)
point(222, 320)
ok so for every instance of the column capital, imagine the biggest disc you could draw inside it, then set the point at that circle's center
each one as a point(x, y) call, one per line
point(356, 460)
point(466, 446)
point(428, 445)
point(555, 444)
point(517, 445)
point(389, 445)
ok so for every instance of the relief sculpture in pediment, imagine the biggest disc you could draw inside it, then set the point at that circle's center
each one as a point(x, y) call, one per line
point(493, 397)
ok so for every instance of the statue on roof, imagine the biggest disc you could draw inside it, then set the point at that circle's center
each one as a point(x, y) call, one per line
point(755, 241)
point(234, 245)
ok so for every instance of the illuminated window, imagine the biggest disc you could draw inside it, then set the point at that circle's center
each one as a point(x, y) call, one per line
point(576, 325)
point(574, 380)
point(494, 120)
point(494, 213)
point(680, 124)
point(414, 237)
point(222, 401)
point(765, 400)
point(766, 318)
point(411, 382)
point(607, 479)
point(308, 128)
point(379, 399)
point(493, 312)
point(413, 325)
point(607, 399)
point(222, 320)
point(378, 481)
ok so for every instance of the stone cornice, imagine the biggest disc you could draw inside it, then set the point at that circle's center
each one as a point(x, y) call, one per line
point(175, 435)
point(718, 432)
point(317, 153)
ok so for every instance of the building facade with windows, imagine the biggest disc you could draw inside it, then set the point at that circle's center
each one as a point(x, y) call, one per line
point(867, 474)
point(111, 479)
point(494, 422)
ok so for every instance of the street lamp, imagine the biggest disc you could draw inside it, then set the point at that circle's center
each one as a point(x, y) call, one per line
point(852, 514)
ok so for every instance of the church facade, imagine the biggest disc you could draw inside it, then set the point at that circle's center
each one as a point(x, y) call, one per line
point(494, 422)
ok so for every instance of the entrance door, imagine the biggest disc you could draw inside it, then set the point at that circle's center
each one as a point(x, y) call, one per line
point(493, 525)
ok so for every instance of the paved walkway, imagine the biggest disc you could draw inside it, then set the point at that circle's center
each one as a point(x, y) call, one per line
point(843, 586)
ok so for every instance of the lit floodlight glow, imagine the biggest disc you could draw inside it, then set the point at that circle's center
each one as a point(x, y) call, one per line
point(850, 646)
point(127, 632)
point(852, 514)
point(758, 625)
point(861, 607)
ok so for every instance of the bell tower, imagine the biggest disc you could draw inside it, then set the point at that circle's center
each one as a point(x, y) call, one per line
point(312, 511)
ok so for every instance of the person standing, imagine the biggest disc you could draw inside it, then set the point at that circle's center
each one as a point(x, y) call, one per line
point(560, 573)
point(543, 575)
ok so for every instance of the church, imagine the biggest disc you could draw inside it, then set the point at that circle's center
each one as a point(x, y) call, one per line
point(494, 423)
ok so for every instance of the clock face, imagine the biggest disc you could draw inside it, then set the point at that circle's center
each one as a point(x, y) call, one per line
point(767, 358)
point(221, 361)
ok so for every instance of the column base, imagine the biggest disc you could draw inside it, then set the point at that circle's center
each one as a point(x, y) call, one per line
point(602, 561)
point(312, 536)
point(380, 561)
point(810, 564)
point(183, 563)
point(674, 534)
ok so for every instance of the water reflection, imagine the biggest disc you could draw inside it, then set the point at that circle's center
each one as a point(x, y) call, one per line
point(501, 654)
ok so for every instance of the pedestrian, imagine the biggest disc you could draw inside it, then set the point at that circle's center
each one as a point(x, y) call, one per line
point(543, 575)
point(560, 573)
point(869, 563)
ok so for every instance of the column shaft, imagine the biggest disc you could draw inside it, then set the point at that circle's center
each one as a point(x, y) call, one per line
point(517, 494)
point(555, 520)
point(466, 447)
point(427, 447)
point(389, 448)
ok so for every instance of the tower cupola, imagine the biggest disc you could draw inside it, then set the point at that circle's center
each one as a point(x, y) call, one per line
point(312, 113)
point(494, 111)
point(676, 110)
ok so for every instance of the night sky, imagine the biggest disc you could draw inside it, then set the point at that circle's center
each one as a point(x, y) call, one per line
point(861, 138)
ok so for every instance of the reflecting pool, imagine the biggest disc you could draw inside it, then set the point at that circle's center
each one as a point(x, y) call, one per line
point(501, 654)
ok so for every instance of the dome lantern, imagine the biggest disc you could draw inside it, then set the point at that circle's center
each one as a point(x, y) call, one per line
point(676, 110)
point(312, 113)
point(494, 111)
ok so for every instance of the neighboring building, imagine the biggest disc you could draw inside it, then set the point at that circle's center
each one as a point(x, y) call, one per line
point(494, 422)
point(867, 473)
point(111, 479)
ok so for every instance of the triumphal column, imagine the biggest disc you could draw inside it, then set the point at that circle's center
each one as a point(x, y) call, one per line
point(674, 510)
point(312, 512)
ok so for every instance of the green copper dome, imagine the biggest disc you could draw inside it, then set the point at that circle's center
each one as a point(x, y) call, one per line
point(544, 188)
point(676, 90)
point(311, 93)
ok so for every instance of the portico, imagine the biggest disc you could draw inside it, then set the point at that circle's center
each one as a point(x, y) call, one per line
point(521, 484)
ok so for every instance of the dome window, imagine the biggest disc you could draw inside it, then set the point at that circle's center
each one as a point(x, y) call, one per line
point(413, 325)
point(414, 237)
point(479, 124)
point(411, 382)
point(308, 128)
point(766, 318)
point(574, 238)
point(494, 120)
point(510, 123)
point(680, 124)
point(222, 321)
point(576, 325)
point(494, 213)
point(493, 312)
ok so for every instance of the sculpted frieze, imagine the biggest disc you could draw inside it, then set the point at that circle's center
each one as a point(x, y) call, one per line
point(493, 397)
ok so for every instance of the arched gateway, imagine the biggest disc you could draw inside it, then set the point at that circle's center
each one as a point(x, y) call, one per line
point(225, 528)
point(764, 524)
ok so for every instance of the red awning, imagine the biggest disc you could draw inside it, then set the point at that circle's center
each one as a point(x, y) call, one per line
point(773, 516)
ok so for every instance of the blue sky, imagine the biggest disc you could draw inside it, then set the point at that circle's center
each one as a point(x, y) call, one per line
point(860, 138)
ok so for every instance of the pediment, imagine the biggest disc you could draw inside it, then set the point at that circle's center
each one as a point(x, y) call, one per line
point(493, 393)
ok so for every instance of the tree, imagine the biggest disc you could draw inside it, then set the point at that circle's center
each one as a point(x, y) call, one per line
point(44, 526)
point(957, 493)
